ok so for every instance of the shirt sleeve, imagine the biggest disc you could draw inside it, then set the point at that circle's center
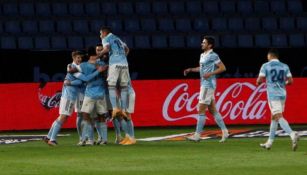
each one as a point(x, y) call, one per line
point(105, 42)
point(262, 71)
point(288, 73)
point(216, 59)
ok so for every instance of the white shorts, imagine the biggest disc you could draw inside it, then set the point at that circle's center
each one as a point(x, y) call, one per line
point(277, 106)
point(118, 73)
point(66, 106)
point(131, 101)
point(99, 105)
point(206, 95)
point(79, 102)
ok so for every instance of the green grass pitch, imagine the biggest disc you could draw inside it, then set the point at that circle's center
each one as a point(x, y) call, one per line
point(235, 157)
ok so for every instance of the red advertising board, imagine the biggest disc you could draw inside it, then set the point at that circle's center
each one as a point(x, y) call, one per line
point(25, 106)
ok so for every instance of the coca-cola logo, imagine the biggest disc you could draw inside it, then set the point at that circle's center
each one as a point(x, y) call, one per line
point(243, 100)
point(48, 101)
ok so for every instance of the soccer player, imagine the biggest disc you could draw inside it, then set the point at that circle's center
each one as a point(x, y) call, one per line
point(118, 71)
point(209, 66)
point(277, 75)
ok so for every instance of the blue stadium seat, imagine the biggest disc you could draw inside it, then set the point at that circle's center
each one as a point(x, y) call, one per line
point(42, 42)
point(235, 24)
point(10, 9)
point(269, 24)
point(26, 9)
point(64, 26)
point(1, 28)
point(252, 24)
point(43, 9)
point(194, 7)
point(229, 41)
point(176, 7)
point(115, 24)
point(25, 43)
point(46, 26)
point(287, 23)
point(142, 41)
point(92, 8)
point(245, 7)
point(176, 41)
point(183, 25)
point(261, 6)
point(59, 9)
point(125, 8)
point(8, 42)
point(279, 40)
point(128, 39)
point(76, 8)
point(132, 25)
point(148, 25)
point(193, 41)
point(278, 6)
point(295, 6)
point(201, 24)
point(109, 8)
point(12, 27)
point(75, 42)
point(92, 40)
point(245, 41)
point(166, 25)
point(95, 25)
point(301, 23)
point(262, 40)
point(296, 40)
point(29, 26)
point(219, 24)
point(81, 26)
point(159, 7)
point(228, 6)
point(143, 8)
point(159, 41)
point(211, 7)
point(58, 42)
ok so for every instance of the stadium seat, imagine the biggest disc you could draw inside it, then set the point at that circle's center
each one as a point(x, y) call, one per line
point(252, 24)
point(194, 41)
point(125, 8)
point(46, 26)
point(201, 24)
point(76, 9)
point(58, 42)
point(301, 23)
point(1, 28)
point(176, 41)
point(142, 41)
point(194, 7)
point(12, 27)
point(25, 43)
point(229, 41)
point(279, 40)
point(183, 25)
point(91, 40)
point(159, 7)
point(92, 8)
point(235, 24)
point(8, 42)
point(245, 7)
point(128, 39)
point(59, 9)
point(43, 9)
point(245, 41)
point(295, 6)
point(42, 42)
point(75, 42)
point(26, 9)
point(95, 25)
point(176, 7)
point(64, 26)
point(159, 41)
point(296, 40)
point(219, 24)
point(109, 8)
point(143, 8)
point(166, 25)
point(269, 24)
point(115, 24)
point(132, 25)
point(29, 26)
point(262, 40)
point(211, 7)
point(81, 26)
point(287, 24)
point(228, 6)
point(148, 24)
point(10, 9)
point(261, 6)
point(278, 7)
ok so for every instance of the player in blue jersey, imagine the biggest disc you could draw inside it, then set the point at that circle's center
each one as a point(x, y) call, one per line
point(118, 72)
point(209, 66)
point(276, 75)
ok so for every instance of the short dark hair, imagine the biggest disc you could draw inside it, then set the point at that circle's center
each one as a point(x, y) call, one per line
point(274, 52)
point(76, 52)
point(91, 51)
point(106, 29)
point(98, 44)
point(210, 40)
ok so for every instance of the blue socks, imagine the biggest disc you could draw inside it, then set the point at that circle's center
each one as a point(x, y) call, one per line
point(112, 95)
point(130, 128)
point(78, 124)
point(219, 121)
point(200, 123)
point(124, 96)
point(116, 125)
point(56, 129)
point(273, 128)
point(285, 125)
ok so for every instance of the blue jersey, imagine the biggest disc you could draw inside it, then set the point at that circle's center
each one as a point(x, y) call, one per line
point(207, 63)
point(117, 54)
point(71, 92)
point(276, 74)
point(95, 87)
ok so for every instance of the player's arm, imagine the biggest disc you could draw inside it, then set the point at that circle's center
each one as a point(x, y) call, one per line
point(71, 69)
point(220, 68)
point(126, 49)
point(260, 80)
point(87, 78)
point(75, 82)
point(289, 81)
point(106, 49)
point(188, 70)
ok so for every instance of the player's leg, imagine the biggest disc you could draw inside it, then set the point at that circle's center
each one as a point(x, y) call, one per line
point(101, 109)
point(113, 74)
point(273, 127)
point(124, 78)
point(78, 106)
point(87, 126)
point(130, 110)
point(116, 124)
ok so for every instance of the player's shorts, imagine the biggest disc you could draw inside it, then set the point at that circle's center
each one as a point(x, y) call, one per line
point(277, 106)
point(90, 104)
point(118, 73)
point(131, 101)
point(79, 102)
point(206, 95)
point(66, 106)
